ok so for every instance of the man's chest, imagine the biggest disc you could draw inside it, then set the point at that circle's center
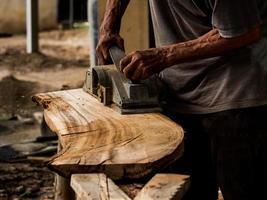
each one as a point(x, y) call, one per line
point(198, 7)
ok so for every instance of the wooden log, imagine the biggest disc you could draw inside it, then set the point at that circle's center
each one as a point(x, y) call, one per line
point(96, 186)
point(95, 138)
point(165, 187)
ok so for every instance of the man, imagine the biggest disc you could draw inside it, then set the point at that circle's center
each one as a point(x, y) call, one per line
point(211, 56)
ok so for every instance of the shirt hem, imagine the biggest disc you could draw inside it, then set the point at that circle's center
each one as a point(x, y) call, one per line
point(190, 109)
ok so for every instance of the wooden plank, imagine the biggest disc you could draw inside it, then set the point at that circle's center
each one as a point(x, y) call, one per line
point(95, 138)
point(97, 187)
point(165, 187)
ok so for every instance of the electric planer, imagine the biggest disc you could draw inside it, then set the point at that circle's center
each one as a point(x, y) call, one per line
point(109, 85)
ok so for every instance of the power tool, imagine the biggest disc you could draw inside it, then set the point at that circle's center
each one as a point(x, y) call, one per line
point(109, 85)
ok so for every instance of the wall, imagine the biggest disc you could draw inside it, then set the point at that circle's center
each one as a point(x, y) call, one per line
point(13, 17)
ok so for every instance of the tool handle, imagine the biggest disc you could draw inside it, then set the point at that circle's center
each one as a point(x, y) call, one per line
point(116, 55)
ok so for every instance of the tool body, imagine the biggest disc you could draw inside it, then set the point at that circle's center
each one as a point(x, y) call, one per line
point(108, 84)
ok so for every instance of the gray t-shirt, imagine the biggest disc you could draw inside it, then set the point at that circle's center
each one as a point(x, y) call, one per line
point(235, 80)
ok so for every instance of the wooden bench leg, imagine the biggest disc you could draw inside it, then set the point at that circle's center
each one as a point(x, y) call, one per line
point(63, 191)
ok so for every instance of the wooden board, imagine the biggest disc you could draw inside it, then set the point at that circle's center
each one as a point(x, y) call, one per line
point(99, 187)
point(165, 187)
point(96, 138)
point(96, 186)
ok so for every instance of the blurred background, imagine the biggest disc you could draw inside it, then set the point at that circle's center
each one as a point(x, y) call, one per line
point(44, 47)
point(60, 63)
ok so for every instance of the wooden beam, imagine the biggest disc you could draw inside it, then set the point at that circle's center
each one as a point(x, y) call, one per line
point(96, 186)
point(32, 26)
point(165, 187)
point(97, 139)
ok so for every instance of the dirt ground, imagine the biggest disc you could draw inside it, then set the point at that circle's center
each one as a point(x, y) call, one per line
point(61, 64)
point(27, 181)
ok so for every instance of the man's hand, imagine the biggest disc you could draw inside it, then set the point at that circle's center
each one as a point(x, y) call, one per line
point(105, 42)
point(141, 65)
point(110, 28)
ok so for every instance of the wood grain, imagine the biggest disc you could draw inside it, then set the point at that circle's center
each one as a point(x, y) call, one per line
point(165, 187)
point(95, 138)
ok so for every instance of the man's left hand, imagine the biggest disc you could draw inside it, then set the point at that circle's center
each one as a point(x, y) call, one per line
point(140, 65)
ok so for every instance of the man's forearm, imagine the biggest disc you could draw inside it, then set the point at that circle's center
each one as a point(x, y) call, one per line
point(209, 45)
point(113, 14)
point(110, 28)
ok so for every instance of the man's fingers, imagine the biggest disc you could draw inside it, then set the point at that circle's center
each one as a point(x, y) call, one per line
point(100, 59)
point(137, 74)
point(105, 53)
point(105, 42)
point(129, 70)
point(133, 67)
point(147, 72)
point(140, 65)
point(101, 55)
point(124, 62)
point(120, 43)
point(151, 68)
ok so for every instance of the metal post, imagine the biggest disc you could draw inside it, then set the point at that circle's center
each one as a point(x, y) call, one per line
point(93, 30)
point(32, 25)
point(92, 14)
point(71, 16)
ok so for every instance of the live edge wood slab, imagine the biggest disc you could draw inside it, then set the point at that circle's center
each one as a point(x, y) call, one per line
point(97, 139)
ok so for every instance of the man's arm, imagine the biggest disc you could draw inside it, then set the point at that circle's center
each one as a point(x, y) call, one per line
point(142, 64)
point(110, 28)
point(210, 45)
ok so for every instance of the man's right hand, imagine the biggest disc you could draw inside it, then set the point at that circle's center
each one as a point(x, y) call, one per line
point(109, 30)
point(107, 40)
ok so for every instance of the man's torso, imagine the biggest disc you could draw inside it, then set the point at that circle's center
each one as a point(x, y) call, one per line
point(235, 80)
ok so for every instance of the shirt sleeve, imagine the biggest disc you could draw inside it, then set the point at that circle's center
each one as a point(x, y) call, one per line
point(235, 17)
